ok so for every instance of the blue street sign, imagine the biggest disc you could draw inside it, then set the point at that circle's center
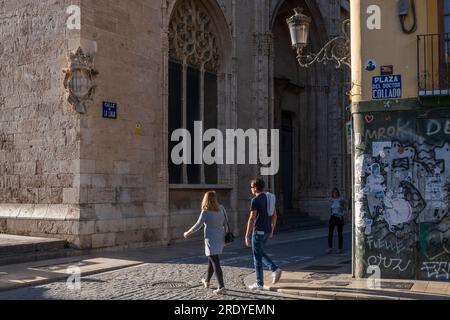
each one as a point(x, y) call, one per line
point(387, 87)
point(109, 110)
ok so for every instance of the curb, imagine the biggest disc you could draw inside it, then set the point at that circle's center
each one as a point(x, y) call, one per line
point(328, 293)
point(336, 296)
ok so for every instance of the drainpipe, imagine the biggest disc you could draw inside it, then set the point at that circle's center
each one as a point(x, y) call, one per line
point(355, 18)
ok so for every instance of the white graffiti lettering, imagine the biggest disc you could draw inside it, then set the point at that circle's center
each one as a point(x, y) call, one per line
point(435, 127)
point(388, 263)
point(401, 130)
point(437, 270)
point(397, 246)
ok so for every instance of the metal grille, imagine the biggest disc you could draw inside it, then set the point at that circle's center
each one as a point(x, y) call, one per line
point(397, 285)
point(321, 268)
point(336, 283)
point(433, 64)
point(321, 276)
point(171, 285)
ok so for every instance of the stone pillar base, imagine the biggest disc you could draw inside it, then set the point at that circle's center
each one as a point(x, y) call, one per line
point(71, 223)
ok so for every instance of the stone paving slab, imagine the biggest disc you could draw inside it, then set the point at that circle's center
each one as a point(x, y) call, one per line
point(42, 272)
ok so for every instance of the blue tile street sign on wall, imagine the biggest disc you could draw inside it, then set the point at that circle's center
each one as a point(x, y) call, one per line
point(387, 87)
point(109, 110)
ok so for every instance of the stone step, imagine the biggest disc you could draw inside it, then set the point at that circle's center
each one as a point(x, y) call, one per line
point(38, 256)
point(17, 249)
point(299, 222)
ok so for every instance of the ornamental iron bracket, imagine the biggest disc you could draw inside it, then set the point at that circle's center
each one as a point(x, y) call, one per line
point(336, 50)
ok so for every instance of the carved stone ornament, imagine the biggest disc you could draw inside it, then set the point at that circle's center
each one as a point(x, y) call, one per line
point(191, 36)
point(79, 81)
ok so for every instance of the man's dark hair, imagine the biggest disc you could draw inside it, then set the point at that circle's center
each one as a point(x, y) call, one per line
point(259, 184)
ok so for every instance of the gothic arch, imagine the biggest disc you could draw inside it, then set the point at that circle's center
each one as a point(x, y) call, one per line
point(214, 40)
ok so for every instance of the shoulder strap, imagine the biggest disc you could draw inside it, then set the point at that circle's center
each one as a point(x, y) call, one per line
point(226, 217)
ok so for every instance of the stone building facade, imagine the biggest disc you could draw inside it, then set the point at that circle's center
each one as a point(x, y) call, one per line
point(101, 182)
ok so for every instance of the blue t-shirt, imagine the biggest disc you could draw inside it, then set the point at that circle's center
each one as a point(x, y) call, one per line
point(263, 221)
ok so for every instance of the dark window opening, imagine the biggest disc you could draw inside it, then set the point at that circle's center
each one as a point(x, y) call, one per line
point(193, 113)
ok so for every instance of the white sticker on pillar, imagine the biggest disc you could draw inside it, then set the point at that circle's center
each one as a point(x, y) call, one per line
point(358, 139)
point(378, 148)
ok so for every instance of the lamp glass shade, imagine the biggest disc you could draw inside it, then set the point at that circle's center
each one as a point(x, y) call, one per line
point(299, 35)
point(299, 28)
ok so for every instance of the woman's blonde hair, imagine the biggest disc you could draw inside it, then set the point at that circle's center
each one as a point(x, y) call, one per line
point(210, 202)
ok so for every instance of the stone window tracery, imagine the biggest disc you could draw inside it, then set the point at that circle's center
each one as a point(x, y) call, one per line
point(191, 37)
point(193, 94)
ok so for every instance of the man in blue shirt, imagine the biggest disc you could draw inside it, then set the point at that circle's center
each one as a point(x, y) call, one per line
point(260, 228)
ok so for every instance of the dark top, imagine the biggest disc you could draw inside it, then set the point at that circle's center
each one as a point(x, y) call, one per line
point(263, 222)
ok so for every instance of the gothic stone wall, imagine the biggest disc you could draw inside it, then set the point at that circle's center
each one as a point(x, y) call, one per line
point(39, 131)
point(95, 182)
point(123, 191)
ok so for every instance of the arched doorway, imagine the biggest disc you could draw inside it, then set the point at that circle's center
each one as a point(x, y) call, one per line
point(309, 110)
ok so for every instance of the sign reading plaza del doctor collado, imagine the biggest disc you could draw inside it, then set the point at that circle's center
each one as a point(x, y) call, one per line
point(387, 87)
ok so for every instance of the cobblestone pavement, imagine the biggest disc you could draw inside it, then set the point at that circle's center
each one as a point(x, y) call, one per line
point(177, 275)
point(146, 282)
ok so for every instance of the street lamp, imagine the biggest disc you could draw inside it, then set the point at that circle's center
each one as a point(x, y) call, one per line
point(337, 49)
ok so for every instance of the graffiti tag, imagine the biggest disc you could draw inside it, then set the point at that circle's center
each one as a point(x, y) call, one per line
point(388, 263)
point(435, 127)
point(399, 131)
point(396, 246)
point(437, 270)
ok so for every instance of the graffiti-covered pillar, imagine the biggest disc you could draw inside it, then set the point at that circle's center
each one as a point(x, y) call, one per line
point(402, 190)
point(401, 141)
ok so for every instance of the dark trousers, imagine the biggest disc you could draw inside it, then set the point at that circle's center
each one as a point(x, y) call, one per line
point(335, 221)
point(214, 267)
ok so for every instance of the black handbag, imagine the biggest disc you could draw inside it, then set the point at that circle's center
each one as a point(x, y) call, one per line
point(229, 236)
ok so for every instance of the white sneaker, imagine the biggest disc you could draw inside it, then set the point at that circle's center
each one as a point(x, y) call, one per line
point(255, 286)
point(220, 291)
point(276, 276)
point(205, 284)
